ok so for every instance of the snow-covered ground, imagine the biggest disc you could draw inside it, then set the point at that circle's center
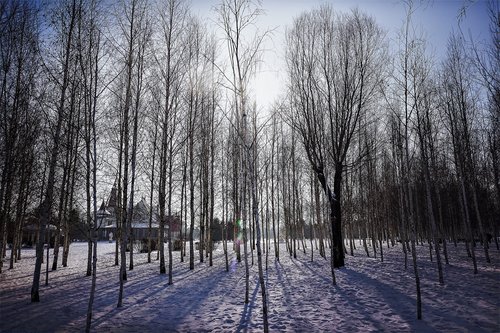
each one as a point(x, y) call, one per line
point(370, 296)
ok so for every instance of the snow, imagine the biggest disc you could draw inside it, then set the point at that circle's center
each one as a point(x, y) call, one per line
point(370, 296)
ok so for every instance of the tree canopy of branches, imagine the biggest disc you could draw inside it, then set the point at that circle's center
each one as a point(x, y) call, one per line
point(145, 99)
point(334, 63)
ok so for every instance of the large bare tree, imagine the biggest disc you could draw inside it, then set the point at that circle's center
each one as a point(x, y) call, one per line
point(334, 63)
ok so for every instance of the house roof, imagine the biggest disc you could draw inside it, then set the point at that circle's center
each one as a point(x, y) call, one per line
point(141, 210)
point(103, 212)
point(136, 225)
point(112, 197)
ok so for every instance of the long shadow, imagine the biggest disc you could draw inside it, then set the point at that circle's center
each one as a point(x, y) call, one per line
point(73, 305)
point(4, 279)
point(159, 281)
point(357, 280)
point(102, 300)
point(283, 281)
point(247, 310)
point(43, 312)
point(73, 284)
point(399, 302)
point(318, 274)
point(163, 297)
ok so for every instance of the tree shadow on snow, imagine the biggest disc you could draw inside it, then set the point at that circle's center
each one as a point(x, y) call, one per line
point(247, 310)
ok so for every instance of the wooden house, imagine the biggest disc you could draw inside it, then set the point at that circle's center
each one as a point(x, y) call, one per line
point(142, 217)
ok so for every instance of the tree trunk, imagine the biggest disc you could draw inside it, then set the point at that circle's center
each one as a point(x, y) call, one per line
point(151, 192)
point(46, 206)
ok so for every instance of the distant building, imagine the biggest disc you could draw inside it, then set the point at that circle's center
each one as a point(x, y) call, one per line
point(108, 213)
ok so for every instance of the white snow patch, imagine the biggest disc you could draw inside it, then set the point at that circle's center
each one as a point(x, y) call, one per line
point(370, 296)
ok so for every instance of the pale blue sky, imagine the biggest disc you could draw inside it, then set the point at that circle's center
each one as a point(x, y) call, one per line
point(436, 20)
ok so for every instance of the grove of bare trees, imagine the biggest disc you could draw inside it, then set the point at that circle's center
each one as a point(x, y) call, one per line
point(373, 142)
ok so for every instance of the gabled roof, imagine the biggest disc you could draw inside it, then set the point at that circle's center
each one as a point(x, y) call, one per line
point(103, 212)
point(112, 197)
point(141, 209)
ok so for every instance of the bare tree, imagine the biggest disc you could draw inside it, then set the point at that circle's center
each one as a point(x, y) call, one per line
point(235, 17)
point(90, 58)
point(152, 188)
point(19, 123)
point(334, 64)
point(135, 31)
point(458, 101)
point(170, 58)
point(67, 36)
point(426, 132)
point(487, 63)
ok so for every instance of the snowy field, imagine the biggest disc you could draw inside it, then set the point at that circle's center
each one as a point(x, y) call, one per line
point(370, 296)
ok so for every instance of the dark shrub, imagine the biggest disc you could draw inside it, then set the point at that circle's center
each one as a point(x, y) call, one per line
point(177, 245)
point(144, 245)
